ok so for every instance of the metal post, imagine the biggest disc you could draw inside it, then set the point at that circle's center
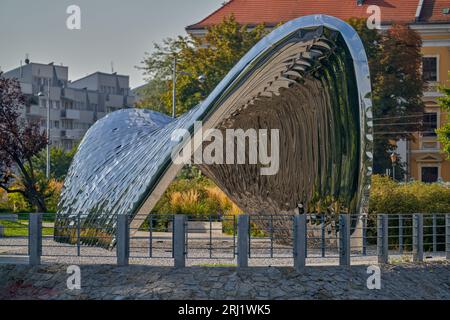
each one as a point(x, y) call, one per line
point(243, 243)
point(271, 235)
point(174, 89)
point(322, 242)
point(383, 238)
point(234, 236)
point(47, 171)
point(151, 237)
point(400, 233)
point(418, 238)
point(179, 238)
point(364, 235)
point(344, 240)
point(78, 235)
point(299, 241)
point(434, 234)
point(447, 235)
point(35, 239)
point(210, 236)
point(123, 240)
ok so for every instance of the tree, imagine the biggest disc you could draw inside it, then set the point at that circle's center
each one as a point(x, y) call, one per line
point(152, 95)
point(397, 87)
point(20, 141)
point(444, 131)
point(212, 56)
point(394, 60)
point(60, 161)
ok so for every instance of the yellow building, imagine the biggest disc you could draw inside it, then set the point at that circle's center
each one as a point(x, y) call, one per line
point(426, 162)
point(430, 18)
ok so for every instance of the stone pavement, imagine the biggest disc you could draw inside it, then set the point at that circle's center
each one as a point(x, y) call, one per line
point(409, 281)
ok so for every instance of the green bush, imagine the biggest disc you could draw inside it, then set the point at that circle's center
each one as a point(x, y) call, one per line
point(388, 196)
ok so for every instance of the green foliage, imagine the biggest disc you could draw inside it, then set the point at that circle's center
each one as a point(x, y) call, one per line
point(444, 131)
point(212, 56)
point(388, 197)
point(152, 95)
point(195, 197)
point(397, 87)
point(14, 203)
point(60, 161)
point(17, 203)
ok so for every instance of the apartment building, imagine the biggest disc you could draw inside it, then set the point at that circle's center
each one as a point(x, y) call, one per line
point(74, 106)
point(430, 18)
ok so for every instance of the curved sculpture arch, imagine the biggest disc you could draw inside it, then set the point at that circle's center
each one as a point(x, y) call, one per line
point(309, 78)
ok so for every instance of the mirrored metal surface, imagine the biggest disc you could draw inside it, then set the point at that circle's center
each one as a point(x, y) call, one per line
point(309, 79)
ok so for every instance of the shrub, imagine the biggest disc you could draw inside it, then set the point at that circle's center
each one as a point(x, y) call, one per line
point(388, 196)
point(17, 203)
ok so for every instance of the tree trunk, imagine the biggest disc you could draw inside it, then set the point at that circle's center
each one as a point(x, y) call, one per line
point(37, 200)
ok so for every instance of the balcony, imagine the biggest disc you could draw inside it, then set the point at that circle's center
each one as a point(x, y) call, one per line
point(26, 88)
point(34, 110)
point(432, 90)
point(114, 100)
point(72, 134)
point(70, 114)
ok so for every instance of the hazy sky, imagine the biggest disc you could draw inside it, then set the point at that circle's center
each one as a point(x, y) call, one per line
point(111, 30)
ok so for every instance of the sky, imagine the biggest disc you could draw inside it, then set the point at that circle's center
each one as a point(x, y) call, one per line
point(115, 31)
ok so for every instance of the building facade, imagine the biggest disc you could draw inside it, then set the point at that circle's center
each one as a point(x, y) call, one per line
point(74, 106)
point(423, 158)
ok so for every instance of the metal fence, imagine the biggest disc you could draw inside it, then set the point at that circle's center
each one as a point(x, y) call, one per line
point(301, 240)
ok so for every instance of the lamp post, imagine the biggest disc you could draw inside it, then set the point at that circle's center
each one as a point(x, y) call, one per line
point(41, 94)
point(394, 159)
point(175, 73)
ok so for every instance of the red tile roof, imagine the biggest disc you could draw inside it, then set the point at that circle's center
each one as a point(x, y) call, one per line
point(271, 12)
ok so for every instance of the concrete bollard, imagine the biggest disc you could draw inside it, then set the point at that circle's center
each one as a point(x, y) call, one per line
point(243, 241)
point(299, 241)
point(418, 238)
point(35, 239)
point(344, 240)
point(123, 240)
point(383, 238)
point(179, 241)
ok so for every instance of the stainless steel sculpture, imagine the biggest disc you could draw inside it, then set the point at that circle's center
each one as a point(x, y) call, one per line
point(309, 78)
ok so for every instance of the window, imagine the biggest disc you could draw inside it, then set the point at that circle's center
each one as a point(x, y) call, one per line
point(430, 174)
point(429, 124)
point(429, 72)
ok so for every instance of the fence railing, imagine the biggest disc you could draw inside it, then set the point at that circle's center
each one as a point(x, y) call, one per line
point(301, 240)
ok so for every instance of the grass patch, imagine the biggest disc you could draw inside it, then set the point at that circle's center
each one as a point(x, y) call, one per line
point(20, 229)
